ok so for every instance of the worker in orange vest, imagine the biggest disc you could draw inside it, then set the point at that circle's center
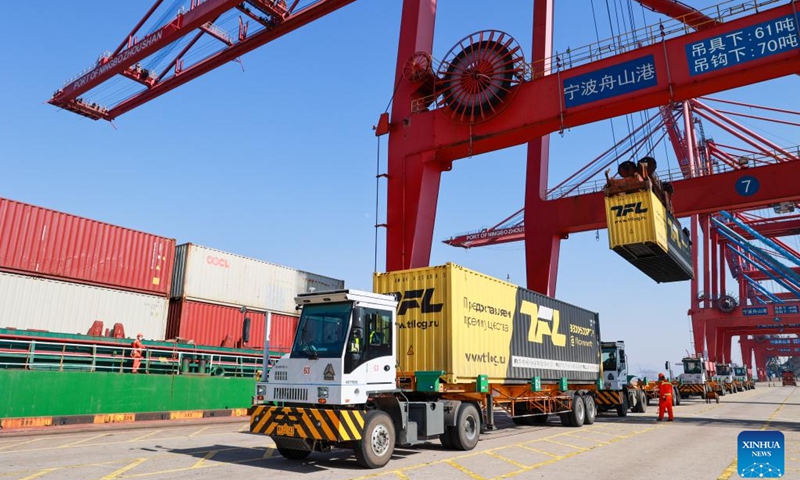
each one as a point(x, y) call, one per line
point(665, 397)
point(138, 348)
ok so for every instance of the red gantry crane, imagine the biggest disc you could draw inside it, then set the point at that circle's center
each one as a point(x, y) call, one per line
point(485, 95)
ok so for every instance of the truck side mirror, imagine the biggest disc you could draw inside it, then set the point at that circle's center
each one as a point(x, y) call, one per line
point(246, 330)
point(358, 318)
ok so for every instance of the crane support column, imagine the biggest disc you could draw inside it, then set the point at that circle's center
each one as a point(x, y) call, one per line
point(542, 244)
point(413, 184)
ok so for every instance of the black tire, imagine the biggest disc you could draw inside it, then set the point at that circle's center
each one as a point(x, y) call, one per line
point(375, 448)
point(577, 417)
point(292, 454)
point(642, 401)
point(539, 419)
point(447, 441)
point(633, 401)
point(467, 431)
point(566, 419)
point(591, 409)
point(622, 410)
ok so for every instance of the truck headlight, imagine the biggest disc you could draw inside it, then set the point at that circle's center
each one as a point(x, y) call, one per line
point(261, 390)
point(322, 392)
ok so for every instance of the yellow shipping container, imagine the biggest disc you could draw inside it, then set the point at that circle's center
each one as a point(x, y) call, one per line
point(636, 218)
point(459, 321)
point(642, 232)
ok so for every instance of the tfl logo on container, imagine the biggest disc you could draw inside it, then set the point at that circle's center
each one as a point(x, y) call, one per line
point(413, 299)
point(216, 261)
point(760, 454)
point(629, 208)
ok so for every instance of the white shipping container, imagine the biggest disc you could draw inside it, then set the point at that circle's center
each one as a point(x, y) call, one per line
point(63, 307)
point(209, 275)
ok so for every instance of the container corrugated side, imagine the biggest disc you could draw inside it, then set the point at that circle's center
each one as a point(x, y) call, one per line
point(28, 302)
point(209, 324)
point(467, 324)
point(43, 242)
point(636, 218)
point(424, 329)
point(208, 275)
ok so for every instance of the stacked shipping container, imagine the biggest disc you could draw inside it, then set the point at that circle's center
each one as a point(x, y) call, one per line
point(36, 303)
point(209, 324)
point(60, 272)
point(63, 272)
point(211, 288)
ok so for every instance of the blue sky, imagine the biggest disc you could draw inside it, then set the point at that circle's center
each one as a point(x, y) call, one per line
point(278, 161)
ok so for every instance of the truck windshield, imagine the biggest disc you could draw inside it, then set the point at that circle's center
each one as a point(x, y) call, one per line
point(610, 359)
point(723, 369)
point(739, 371)
point(322, 330)
point(691, 366)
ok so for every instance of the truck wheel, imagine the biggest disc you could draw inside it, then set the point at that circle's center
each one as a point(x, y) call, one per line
point(467, 431)
point(447, 442)
point(566, 419)
point(292, 454)
point(642, 401)
point(377, 444)
point(591, 409)
point(577, 417)
point(622, 410)
point(539, 419)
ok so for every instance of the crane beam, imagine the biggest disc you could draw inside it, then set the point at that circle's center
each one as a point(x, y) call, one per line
point(677, 74)
point(680, 11)
point(661, 73)
point(182, 25)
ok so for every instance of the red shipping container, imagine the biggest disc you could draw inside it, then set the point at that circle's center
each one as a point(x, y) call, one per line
point(42, 242)
point(209, 324)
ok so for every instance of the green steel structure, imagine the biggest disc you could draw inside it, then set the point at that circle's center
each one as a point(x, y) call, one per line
point(45, 374)
point(27, 393)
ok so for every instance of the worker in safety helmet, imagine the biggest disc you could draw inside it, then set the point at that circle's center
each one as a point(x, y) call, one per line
point(665, 397)
point(136, 352)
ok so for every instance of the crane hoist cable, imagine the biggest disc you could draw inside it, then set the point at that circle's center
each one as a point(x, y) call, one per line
point(597, 37)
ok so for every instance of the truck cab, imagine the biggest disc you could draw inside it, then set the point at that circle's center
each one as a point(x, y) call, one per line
point(615, 365)
point(724, 376)
point(743, 378)
point(692, 382)
point(338, 387)
point(343, 352)
point(693, 371)
point(618, 393)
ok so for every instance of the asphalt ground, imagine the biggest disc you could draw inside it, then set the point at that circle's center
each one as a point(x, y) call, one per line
point(699, 444)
